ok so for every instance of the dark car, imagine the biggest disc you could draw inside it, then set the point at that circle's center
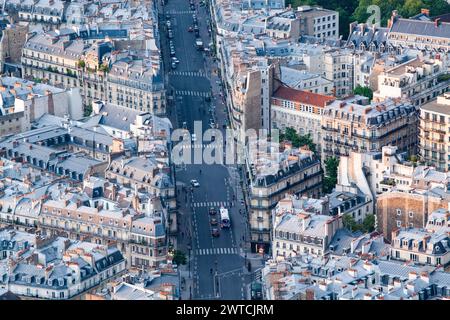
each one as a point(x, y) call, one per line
point(214, 222)
point(212, 211)
point(215, 232)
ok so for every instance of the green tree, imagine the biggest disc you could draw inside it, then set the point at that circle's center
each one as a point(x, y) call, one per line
point(81, 64)
point(349, 222)
point(179, 257)
point(369, 223)
point(87, 110)
point(297, 140)
point(104, 68)
point(437, 7)
point(330, 179)
point(411, 8)
point(364, 91)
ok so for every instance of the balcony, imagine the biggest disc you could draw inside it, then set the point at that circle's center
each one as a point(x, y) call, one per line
point(330, 129)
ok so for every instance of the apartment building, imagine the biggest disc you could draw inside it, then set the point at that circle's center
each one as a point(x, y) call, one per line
point(344, 278)
point(424, 35)
point(398, 209)
point(47, 56)
point(40, 11)
point(304, 80)
point(144, 173)
point(318, 22)
point(353, 124)
point(283, 26)
point(300, 228)
point(248, 92)
point(420, 246)
point(56, 268)
point(139, 231)
point(338, 67)
point(137, 85)
point(434, 135)
point(368, 38)
point(299, 173)
point(12, 39)
point(301, 110)
point(23, 102)
point(402, 194)
point(101, 73)
point(419, 80)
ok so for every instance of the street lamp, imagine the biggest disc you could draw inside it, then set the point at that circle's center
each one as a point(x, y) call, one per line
point(189, 252)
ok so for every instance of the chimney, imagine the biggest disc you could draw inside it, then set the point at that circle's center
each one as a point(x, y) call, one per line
point(343, 290)
point(412, 275)
point(367, 296)
point(48, 271)
point(354, 292)
point(425, 277)
point(425, 12)
point(353, 272)
point(113, 192)
point(437, 22)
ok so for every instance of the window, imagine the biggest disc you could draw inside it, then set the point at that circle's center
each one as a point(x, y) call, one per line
point(411, 214)
point(399, 223)
point(399, 212)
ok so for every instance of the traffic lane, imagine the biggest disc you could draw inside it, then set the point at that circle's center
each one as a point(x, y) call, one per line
point(204, 229)
point(205, 278)
point(185, 45)
point(230, 284)
point(225, 239)
point(229, 290)
point(213, 181)
point(185, 40)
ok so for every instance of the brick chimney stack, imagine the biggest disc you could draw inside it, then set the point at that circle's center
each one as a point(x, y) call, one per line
point(425, 12)
point(437, 22)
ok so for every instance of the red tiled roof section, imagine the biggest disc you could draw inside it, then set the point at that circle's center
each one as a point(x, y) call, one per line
point(301, 96)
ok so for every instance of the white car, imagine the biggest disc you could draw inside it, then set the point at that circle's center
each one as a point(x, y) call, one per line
point(194, 137)
point(195, 183)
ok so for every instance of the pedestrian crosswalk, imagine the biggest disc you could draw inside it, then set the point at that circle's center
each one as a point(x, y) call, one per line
point(209, 204)
point(203, 94)
point(201, 146)
point(188, 73)
point(180, 12)
point(214, 251)
point(257, 275)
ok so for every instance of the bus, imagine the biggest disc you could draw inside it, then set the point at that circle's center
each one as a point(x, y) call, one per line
point(224, 218)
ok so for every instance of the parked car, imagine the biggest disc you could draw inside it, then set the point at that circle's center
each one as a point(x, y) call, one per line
point(214, 222)
point(212, 211)
point(190, 29)
point(174, 65)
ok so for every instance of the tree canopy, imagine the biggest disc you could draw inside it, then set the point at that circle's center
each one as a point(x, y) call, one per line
point(330, 179)
point(368, 224)
point(297, 140)
point(179, 257)
point(364, 91)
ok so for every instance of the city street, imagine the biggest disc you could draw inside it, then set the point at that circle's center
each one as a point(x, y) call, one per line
point(217, 264)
